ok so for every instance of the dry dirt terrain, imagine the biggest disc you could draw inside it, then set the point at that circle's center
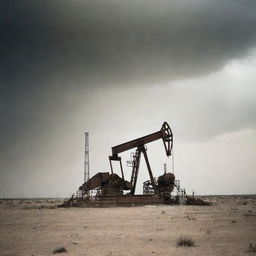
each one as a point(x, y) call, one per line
point(37, 227)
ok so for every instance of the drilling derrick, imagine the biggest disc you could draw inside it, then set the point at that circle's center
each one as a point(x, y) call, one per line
point(86, 158)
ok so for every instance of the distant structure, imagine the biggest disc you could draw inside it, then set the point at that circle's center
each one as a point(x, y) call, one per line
point(86, 158)
point(165, 167)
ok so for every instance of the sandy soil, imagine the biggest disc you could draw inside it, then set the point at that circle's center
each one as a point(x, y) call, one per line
point(37, 227)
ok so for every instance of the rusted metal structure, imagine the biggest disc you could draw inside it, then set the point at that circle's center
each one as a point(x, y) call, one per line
point(112, 190)
point(106, 184)
point(165, 134)
point(110, 187)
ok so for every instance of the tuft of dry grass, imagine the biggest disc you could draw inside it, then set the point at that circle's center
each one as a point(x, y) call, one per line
point(252, 248)
point(59, 250)
point(185, 241)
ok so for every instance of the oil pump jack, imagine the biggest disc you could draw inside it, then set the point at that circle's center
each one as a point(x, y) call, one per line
point(110, 186)
point(165, 134)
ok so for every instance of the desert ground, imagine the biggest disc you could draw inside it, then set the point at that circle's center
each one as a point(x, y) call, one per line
point(37, 227)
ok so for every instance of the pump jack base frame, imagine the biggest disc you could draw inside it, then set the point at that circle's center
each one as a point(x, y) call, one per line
point(124, 200)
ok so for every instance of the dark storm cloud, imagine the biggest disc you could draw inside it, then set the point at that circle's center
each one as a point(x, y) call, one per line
point(48, 46)
point(121, 41)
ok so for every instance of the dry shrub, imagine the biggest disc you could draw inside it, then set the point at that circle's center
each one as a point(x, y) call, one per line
point(59, 250)
point(185, 241)
point(252, 248)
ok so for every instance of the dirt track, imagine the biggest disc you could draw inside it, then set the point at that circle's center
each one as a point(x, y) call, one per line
point(33, 228)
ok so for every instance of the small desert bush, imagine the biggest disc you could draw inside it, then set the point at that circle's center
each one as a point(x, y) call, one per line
point(185, 241)
point(59, 250)
point(208, 232)
point(252, 248)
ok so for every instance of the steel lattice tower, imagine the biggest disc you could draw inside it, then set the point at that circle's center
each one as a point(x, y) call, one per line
point(86, 158)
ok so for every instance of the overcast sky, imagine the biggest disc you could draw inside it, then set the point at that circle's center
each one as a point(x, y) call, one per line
point(119, 69)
